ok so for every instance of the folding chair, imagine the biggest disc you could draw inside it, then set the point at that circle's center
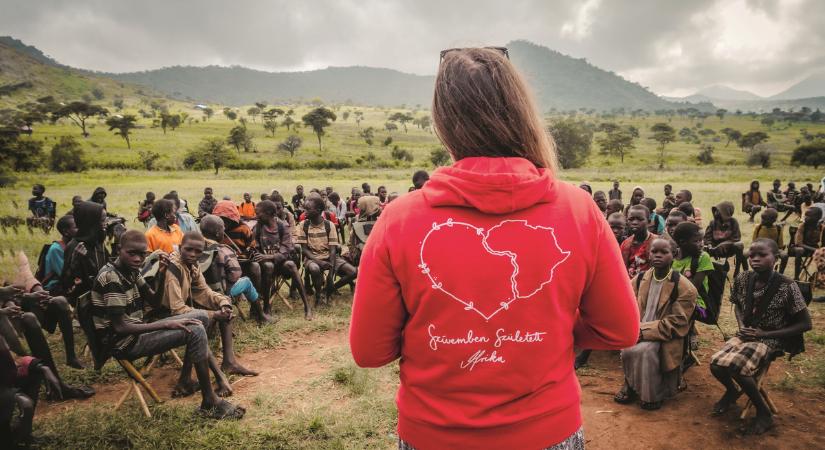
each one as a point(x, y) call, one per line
point(760, 376)
point(275, 290)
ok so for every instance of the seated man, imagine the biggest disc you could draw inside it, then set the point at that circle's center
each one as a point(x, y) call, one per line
point(184, 283)
point(43, 209)
point(224, 272)
point(273, 241)
point(772, 318)
point(370, 207)
point(807, 240)
point(118, 317)
point(165, 235)
point(752, 201)
point(666, 303)
point(319, 243)
point(298, 199)
point(723, 238)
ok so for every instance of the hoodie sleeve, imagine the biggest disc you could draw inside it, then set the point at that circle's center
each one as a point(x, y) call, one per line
point(608, 316)
point(378, 312)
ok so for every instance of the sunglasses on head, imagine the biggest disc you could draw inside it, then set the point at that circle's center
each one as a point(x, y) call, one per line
point(503, 50)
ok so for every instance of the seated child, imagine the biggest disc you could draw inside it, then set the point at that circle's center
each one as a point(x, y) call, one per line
point(808, 239)
point(273, 241)
point(145, 209)
point(43, 209)
point(118, 318)
point(185, 285)
point(618, 224)
point(635, 247)
point(752, 201)
point(652, 367)
point(723, 238)
point(668, 203)
point(614, 206)
point(319, 244)
point(656, 224)
point(695, 214)
point(693, 263)
point(635, 198)
point(49, 276)
point(246, 208)
point(767, 228)
point(772, 316)
point(239, 236)
point(165, 235)
point(207, 203)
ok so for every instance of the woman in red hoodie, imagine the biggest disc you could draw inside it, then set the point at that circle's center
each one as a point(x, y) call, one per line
point(484, 280)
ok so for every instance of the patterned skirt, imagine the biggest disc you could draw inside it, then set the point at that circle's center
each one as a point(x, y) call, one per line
point(744, 357)
point(574, 442)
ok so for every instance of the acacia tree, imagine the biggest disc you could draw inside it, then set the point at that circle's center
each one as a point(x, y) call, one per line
point(390, 127)
point(291, 145)
point(167, 120)
point(208, 113)
point(319, 119)
point(574, 140)
point(124, 126)
point(269, 118)
point(663, 134)
point(720, 113)
point(368, 134)
point(619, 142)
point(79, 113)
point(345, 115)
point(240, 138)
point(401, 118)
point(253, 112)
point(752, 139)
point(731, 135)
point(359, 116)
point(288, 122)
point(211, 153)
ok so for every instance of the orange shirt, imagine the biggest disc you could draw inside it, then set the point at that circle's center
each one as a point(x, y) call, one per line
point(160, 239)
point(246, 209)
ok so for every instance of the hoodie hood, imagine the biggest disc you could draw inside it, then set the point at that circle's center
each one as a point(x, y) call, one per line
point(490, 185)
point(87, 217)
point(227, 210)
point(725, 210)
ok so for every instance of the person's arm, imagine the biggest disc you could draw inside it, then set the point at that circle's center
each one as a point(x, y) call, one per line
point(173, 294)
point(122, 327)
point(203, 295)
point(677, 323)
point(608, 316)
point(378, 311)
point(54, 263)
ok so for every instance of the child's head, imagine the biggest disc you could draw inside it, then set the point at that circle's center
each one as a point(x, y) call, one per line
point(661, 253)
point(585, 186)
point(762, 255)
point(616, 184)
point(208, 192)
point(247, 197)
point(150, 197)
point(265, 210)
point(614, 206)
point(688, 236)
point(668, 190)
point(637, 195)
point(132, 250)
point(38, 190)
point(601, 200)
point(66, 227)
point(649, 202)
point(686, 208)
point(777, 184)
point(673, 219)
point(684, 196)
point(618, 224)
point(791, 186)
point(754, 185)
point(637, 217)
point(769, 217)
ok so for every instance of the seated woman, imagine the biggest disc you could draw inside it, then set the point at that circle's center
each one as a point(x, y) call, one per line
point(752, 201)
point(772, 317)
point(666, 302)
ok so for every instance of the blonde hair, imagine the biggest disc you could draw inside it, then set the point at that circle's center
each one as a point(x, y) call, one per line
point(483, 107)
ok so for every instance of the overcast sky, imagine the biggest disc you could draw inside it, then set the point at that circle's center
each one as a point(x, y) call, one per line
point(674, 47)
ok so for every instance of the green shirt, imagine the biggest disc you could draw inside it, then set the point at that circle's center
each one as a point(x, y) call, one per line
point(705, 265)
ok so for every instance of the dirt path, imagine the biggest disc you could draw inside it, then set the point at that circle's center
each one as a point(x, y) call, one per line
point(682, 423)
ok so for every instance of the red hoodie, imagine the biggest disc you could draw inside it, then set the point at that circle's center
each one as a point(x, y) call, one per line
point(482, 282)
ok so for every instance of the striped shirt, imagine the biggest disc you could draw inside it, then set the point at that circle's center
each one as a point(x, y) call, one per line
point(316, 239)
point(114, 294)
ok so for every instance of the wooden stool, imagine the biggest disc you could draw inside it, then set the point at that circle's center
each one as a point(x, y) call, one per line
point(137, 379)
point(760, 375)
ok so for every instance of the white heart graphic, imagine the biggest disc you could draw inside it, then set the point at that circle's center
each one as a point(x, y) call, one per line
point(504, 304)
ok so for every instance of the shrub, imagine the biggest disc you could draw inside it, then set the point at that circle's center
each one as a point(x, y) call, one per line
point(387, 141)
point(116, 165)
point(246, 164)
point(812, 154)
point(400, 154)
point(286, 165)
point(321, 164)
point(705, 155)
point(439, 157)
point(24, 155)
point(760, 157)
point(148, 159)
point(68, 156)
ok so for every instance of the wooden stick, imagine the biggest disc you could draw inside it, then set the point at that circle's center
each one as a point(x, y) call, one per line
point(176, 357)
point(139, 378)
point(768, 400)
point(123, 397)
point(148, 369)
point(142, 401)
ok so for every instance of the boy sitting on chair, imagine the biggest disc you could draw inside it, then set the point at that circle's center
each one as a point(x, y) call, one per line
point(772, 316)
point(319, 243)
point(666, 303)
point(118, 315)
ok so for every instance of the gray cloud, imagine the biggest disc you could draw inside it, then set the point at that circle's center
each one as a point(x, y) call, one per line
point(672, 47)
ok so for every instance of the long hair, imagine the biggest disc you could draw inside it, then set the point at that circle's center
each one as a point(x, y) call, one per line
point(483, 107)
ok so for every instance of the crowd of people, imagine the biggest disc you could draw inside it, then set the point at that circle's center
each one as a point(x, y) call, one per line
point(142, 292)
point(678, 270)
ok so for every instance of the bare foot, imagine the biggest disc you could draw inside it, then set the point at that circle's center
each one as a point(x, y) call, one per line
point(759, 425)
point(185, 388)
point(223, 390)
point(724, 403)
point(237, 369)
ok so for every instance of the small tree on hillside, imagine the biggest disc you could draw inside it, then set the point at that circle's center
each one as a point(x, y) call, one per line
point(359, 116)
point(345, 115)
point(663, 134)
point(253, 112)
point(368, 134)
point(752, 139)
point(390, 127)
point(812, 154)
point(124, 126)
point(211, 153)
point(239, 138)
point(617, 143)
point(148, 159)
point(401, 118)
point(290, 145)
point(574, 140)
point(720, 113)
point(230, 114)
point(731, 135)
point(319, 119)
point(208, 113)
point(288, 122)
point(79, 113)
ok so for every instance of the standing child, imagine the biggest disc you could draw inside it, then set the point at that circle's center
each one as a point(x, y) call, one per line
point(145, 209)
point(615, 193)
point(772, 317)
point(635, 247)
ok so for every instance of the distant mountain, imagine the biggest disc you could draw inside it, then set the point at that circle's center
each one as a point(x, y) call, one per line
point(719, 92)
point(33, 52)
point(812, 86)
